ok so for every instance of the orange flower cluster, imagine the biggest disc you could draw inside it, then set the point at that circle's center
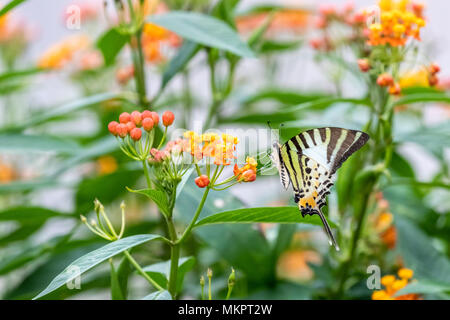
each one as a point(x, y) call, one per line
point(248, 172)
point(284, 20)
point(400, 20)
point(384, 223)
point(154, 37)
point(211, 145)
point(393, 285)
point(58, 55)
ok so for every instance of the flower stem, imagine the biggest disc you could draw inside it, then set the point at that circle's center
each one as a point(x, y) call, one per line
point(141, 271)
point(196, 215)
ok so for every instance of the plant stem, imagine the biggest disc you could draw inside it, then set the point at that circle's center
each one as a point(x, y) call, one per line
point(196, 215)
point(141, 271)
point(146, 174)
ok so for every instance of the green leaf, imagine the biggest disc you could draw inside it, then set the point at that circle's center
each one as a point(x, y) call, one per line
point(49, 114)
point(157, 196)
point(19, 74)
point(9, 6)
point(111, 43)
point(160, 271)
point(94, 258)
point(187, 51)
point(30, 215)
point(271, 46)
point(27, 142)
point(158, 295)
point(23, 186)
point(106, 188)
point(204, 30)
point(420, 255)
point(116, 289)
point(423, 97)
point(261, 215)
point(424, 287)
point(284, 96)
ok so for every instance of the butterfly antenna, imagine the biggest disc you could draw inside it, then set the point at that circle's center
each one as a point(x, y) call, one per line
point(326, 227)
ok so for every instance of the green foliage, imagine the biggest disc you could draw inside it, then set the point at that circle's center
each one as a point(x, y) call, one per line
point(204, 30)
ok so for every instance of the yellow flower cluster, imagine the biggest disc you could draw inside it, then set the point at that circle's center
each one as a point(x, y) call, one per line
point(400, 20)
point(393, 285)
point(212, 145)
point(61, 53)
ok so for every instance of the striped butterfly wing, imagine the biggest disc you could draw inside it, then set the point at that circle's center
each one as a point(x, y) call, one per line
point(311, 160)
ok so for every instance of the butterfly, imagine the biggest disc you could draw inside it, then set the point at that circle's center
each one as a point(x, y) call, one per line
point(309, 161)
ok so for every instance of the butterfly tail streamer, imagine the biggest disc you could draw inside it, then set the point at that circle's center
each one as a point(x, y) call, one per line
point(328, 231)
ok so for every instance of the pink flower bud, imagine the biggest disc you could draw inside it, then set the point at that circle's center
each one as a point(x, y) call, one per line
point(124, 117)
point(136, 134)
point(130, 126)
point(168, 117)
point(147, 124)
point(136, 118)
point(155, 118)
point(122, 130)
point(146, 114)
point(112, 127)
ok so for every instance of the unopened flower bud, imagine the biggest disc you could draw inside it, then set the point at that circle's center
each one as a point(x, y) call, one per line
point(168, 117)
point(130, 126)
point(249, 176)
point(147, 124)
point(136, 118)
point(202, 281)
point(112, 126)
point(124, 117)
point(83, 218)
point(232, 278)
point(122, 130)
point(136, 134)
point(146, 114)
point(155, 118)
point(93, 223)
point(434, 68)
point(385, 80)
point(209, 273)
point(202, 181)
point(433, 80)
point(364, 65)
point(395, 89)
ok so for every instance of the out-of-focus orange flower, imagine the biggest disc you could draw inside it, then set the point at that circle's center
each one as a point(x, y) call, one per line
point(414, 78)
point(399, 22)
point(383, 223)
point(106, 165)
point(89, 10)
point(7, 173)
point(91, 60)
point(293, 264)
point(393, 285)
point(58, 55)
point(293, 20)
point(124, 74)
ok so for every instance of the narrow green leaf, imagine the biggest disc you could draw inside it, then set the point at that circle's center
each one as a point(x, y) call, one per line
point(19, 74)
point(265, 215)
point(203, 29)
point(423, 97)
point(80, 104)
point(111, 43)
point(116, 290)
point(158, 295)
point(42, 143)
point(157, 196)
point(29, 215)
point(187, 51)
point(424, 287)
point(10, 5)
point(93, 258)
